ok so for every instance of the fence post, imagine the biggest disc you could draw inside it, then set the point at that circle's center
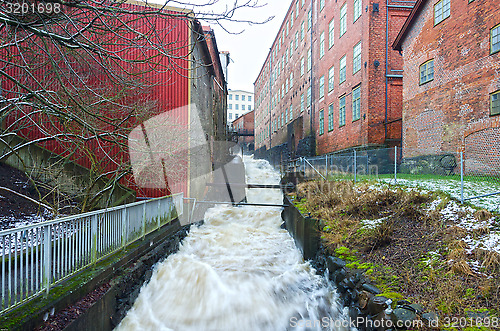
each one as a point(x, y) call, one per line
point(124, 226)
point(395, 164)
point(143, 220)
point(462, 177)
point(93, 243)
point(46, 259)
point(355, 166)
point(326, 165)
point(159, 214)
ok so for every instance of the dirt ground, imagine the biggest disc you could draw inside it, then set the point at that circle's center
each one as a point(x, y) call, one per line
point(15, 209)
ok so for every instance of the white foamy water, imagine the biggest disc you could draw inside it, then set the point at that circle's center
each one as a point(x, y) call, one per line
point(238, 271)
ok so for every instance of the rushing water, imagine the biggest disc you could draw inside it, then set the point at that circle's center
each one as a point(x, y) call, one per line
point(238, 271)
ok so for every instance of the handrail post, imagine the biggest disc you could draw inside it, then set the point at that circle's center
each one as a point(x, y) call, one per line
point(93, 243)
point(47, 263)
point(124, 226)
point(143, 220)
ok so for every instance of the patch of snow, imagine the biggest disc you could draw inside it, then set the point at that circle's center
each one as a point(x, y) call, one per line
point(453, 188)
point(489, 242)
point(372, 224)
point(434, 204)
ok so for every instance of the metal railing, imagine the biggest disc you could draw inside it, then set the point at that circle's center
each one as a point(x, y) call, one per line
point(36, 257)
point(464, 175)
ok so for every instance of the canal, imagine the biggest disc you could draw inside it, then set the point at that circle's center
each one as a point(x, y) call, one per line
point(238, 271)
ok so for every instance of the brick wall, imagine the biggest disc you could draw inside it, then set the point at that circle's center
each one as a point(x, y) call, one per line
point(452, 112)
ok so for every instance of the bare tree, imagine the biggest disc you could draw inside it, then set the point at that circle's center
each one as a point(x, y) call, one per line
point(78, 76)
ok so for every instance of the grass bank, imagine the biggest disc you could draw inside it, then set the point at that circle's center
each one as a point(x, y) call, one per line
point(415, 245)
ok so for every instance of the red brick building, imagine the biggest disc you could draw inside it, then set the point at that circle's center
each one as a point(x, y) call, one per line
point(451, 81)
point(244, 126)
point(342, 81)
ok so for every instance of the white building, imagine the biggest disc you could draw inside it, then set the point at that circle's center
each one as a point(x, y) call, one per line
point(238, 103)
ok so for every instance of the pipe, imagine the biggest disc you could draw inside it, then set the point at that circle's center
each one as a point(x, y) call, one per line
point(386, 63)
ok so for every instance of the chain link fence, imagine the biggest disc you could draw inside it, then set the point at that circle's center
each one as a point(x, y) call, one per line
point(472, 175)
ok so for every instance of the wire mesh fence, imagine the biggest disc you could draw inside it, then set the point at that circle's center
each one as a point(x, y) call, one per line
point(470, 175)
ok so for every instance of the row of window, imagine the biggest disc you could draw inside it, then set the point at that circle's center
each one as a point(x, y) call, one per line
point(356, 111)
point(243, 97)
point(237, 107)
point(235, 116)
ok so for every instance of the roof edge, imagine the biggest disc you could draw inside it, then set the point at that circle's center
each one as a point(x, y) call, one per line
point(398, 43)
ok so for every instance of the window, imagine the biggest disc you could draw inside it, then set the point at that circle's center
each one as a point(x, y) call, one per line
point(356, 103)
point(309, 19)
point(302, 67)
point(342, 73)
point(357, 9)
point(356, 58)
point(330, 117)
point(243, 98)
point(236, 107)
point(495, 39)
point(309, 63)
point(291, 80)
point(291, 112)
point(321, 5)
point(230, 97)
point(322, 45)
point(495, 103)
point(342, 111)
point(236, 115)
point(441, 11)
point(297, 9)
point(331, 36)
point(286, 115)
point(249, 98)
point(296, 39)
point(308, 97)
point(237, 97)
point(249, 107)
point(291, 19)
point(303, 3)
point(343, 19)
point(321, 122)
point(302, 32)
point(230, 106)
point(321, 87)
point(230, 116)
point(330, 79)
point(242, 107)
point(302, 103)
point(427, 72)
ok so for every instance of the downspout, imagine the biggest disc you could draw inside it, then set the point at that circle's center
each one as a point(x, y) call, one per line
point(311, 84)
point(386, 64)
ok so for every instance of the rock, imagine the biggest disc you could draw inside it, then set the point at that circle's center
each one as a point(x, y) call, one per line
point(403, 302)
point(430, 320)
point(363, 298)
point(376, 305)
point(354, 313)
point(339, 275)
point(403, 318)
point(334, 263)
point(477, 314)
point(417, 308)
point(370, 288)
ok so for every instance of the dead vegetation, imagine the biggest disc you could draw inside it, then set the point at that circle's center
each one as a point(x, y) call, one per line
point(406, 247)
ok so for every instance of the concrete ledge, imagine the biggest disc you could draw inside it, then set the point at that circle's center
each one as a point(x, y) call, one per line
point(130, 265)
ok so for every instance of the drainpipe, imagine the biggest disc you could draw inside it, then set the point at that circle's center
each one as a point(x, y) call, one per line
point(311, 118)
point(386, 63)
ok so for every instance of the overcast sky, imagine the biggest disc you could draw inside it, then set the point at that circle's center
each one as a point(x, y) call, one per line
point(249, 49)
